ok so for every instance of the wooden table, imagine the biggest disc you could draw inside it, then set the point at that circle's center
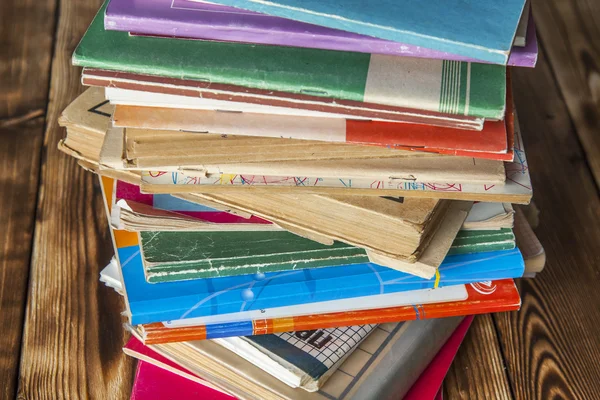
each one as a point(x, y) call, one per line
point(60, 329)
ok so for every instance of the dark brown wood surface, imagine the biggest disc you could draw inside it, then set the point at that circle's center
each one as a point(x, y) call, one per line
point(60, 330)
point(25, 50)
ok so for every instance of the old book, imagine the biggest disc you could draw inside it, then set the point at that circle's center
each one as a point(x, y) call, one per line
point(149, 303)
point(495, 141)
point(224, 325)
point(407, 227)
point(86, 119)
point(442, 302)
point(177, 256)
point(472, 241)
point(134, 216)
point(517, 188)
point(533, 251)
point(452, 26)
point(489, 216)
point(385, 366)
point(153, 383)
point(518, 171)
point(207, 156)
point(482, 298)
point(305, 75)
point(208, 21)
point(301, 359)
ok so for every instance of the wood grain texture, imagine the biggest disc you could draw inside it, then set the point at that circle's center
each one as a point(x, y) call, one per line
point(478, 369)
point(551, 346)
point(25, 53)
point(73, 335)
point(570, 37)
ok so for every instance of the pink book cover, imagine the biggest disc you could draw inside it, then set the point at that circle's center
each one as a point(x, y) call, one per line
point(154, 383)
point(156, 380)
point(429, 384)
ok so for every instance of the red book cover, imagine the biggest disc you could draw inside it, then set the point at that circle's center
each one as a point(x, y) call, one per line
point(429, 384)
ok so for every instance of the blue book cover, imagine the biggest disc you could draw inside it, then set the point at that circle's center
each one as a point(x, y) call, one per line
point(150, 303)
point(482, 30)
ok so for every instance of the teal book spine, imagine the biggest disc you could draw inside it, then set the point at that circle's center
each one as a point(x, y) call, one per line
point(451, 87)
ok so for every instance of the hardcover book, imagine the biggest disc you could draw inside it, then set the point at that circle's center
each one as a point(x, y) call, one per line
point(484, 30)
point(449, 87)
point(208, 21)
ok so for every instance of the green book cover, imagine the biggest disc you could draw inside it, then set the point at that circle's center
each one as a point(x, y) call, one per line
point(453, 87)
point(176, 256)
point(468, 241)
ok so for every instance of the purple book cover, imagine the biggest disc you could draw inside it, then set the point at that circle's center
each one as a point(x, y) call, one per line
point(196, 20)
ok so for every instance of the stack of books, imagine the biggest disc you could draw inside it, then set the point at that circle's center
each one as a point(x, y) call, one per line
point(308, 199)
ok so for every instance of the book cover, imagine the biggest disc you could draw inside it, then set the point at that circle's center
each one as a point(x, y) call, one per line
point(372, 370)
point(429, 383)
point(177, 256)
point(484, 31)
point(155, 383)
point(112, 278)
point(186, 299)
point(303, 359)
point(485, 215)
point(471, 241)
point(208, 21)
point(439, 86)
point(482, 298)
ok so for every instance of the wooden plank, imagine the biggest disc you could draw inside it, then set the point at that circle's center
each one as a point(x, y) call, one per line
point(25, 53)
point(570, 37)
point(478, 369)
point(551, 346)
point(73, 335)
